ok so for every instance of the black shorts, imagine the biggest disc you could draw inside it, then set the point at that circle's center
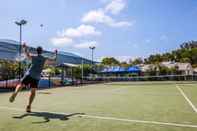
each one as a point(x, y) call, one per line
point(28, 80)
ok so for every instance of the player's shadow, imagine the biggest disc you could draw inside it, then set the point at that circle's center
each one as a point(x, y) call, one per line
point(47, 116)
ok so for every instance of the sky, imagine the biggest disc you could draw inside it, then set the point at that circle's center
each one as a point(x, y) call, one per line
point(120, 28)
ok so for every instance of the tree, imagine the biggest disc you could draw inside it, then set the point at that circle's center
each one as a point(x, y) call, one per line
point(186, 53)
point(194, 56)
point(110, 61)
point(167, 57)
point(86, 71)
point(9, 69)
point(53, 71)
point(164, 70)
point(185, 56)
point(189, 45)
point(137, 61)
point(152, 71)
point(124, 64)
point(152, 59)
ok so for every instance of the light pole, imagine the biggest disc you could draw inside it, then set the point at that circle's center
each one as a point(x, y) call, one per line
point(92, 48)
point(42, 31)
point(82, 71)
point(20, 24)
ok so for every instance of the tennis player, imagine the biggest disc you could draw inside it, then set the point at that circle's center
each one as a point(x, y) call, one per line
point(33, 74)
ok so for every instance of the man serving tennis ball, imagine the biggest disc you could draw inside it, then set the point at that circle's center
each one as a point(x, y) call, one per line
point(33, 74)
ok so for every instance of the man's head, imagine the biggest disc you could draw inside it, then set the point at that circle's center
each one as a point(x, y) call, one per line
point(39, 50)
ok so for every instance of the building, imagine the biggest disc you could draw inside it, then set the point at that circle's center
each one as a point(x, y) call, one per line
point(195, 71)
point(9, 50)
point(183, 68)
point(148, 67)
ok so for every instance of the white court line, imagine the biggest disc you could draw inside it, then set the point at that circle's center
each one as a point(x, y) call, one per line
point(113, 118)
point(187, 99)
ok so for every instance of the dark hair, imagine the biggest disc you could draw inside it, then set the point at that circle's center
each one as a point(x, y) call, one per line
point(39, 50)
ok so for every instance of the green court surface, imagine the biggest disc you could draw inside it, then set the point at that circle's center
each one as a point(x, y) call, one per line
point(104, 107)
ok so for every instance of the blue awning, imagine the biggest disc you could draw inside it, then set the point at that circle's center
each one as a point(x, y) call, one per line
point(112, 69)
point(118, 69)
point(133, 69)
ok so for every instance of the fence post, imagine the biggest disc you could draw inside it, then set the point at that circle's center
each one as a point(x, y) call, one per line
point(6, 82)
point(49, 80)
point(72, 76)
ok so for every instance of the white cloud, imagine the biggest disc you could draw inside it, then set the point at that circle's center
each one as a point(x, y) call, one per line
point(81, 31)
point(105, 1)
point(121, 24)
point(99, 16)
point(148, 40)
point(96, 16)
point(126, 58)
point(68, 37)
point(115, 6)
point(164, 38)
point(86, 44)
point(123, 58)
point(61, 41)
point(135, 45)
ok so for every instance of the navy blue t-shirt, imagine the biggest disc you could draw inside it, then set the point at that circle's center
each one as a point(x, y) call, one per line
point(36, 67)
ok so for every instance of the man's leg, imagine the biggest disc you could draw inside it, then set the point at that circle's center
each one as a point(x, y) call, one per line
point(17, 89)
point(31, 99)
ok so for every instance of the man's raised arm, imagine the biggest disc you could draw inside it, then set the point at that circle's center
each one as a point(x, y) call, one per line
point(52, 59)
point(27, 54)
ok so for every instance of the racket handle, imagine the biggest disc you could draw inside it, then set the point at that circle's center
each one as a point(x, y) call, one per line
point(56, 51)
point(24, 45)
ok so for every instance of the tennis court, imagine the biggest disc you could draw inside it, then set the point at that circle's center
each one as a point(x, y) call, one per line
point(117, 106)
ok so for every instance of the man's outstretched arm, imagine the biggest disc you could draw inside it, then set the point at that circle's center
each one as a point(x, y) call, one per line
point(27, 54)
point(52, 59)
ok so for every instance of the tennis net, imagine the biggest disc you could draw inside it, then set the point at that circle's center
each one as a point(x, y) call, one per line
point(161, 79)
